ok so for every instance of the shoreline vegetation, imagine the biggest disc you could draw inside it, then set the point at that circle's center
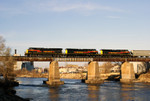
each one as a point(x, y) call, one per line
point(7, 82)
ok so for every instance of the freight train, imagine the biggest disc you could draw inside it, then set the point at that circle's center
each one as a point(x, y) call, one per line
point(70, 52)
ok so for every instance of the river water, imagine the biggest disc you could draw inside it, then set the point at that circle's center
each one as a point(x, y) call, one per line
point(75, 90)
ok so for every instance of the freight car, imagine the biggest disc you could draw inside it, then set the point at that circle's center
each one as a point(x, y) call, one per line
point(112, 52)
point(43, 51)
point(140, 53)
point(81, 52)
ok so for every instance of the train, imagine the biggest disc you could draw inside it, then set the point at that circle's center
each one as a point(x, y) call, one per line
point(73, 52)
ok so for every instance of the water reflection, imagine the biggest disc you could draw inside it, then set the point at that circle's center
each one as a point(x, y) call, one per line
point(134, 92)
point(128, 91)
point(127, 87)
point(93, 92)
point(54, 93)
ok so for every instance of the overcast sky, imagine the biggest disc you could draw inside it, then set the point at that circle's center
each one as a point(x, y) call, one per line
point(98, 24)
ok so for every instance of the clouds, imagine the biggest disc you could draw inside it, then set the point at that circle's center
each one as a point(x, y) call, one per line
point(73, 23)
point(79, 6)
point(34, 6)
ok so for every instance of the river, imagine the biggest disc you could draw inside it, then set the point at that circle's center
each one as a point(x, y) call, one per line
point(75, 90)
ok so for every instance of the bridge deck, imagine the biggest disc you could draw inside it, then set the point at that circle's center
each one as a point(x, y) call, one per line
point(111, 59)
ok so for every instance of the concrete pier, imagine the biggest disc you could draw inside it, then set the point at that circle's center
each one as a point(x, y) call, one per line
point(54, 77)
point(93, 74)
point(127, 73)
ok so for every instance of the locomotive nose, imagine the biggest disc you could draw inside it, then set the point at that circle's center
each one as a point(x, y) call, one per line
point(101, 52)
point(27, 51)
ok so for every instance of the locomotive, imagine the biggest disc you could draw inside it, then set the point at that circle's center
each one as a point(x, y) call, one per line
point(32, 51)
point(69, 52)
point(112, 52)
point(80, 52)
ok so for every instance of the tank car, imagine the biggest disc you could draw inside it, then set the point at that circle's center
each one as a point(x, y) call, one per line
point(114, 52)
point(81, 52)
point(138, 53)
point(32, 51)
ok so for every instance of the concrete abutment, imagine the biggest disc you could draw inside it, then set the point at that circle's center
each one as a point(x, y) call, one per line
point(54, 76)
point(127, 73)
point(93, 73)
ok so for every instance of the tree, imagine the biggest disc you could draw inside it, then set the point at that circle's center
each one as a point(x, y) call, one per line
point(107, 66)
point(6, 61)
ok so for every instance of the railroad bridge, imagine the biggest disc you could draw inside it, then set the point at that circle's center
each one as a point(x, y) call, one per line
point(83, 59)
point(127, 71)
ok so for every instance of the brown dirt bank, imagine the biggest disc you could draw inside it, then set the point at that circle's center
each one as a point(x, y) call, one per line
point(30, 75)
point(144, 77)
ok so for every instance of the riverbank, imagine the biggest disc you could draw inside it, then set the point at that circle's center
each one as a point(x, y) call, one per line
point(107, 76)
point(69, 75)
point(7, 93)
point(144, 77)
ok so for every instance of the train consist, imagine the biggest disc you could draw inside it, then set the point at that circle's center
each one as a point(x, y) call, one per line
point(70, 52)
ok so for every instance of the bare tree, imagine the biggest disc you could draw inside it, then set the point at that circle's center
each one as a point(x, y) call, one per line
point(6, 62)
point(106, 67)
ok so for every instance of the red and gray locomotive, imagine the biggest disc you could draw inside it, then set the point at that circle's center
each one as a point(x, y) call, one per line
point(33, 51)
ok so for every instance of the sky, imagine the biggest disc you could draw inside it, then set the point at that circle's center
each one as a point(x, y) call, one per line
point(98, 24)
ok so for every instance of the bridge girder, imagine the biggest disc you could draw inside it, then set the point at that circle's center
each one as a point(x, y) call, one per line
point(110, 59)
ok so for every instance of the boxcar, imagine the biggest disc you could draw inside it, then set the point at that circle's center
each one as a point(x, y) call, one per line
point(140, 52)
point(43, 51)
point(112, 52)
